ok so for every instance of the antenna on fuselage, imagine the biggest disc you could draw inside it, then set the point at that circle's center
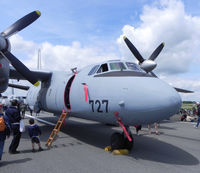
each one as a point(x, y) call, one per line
point(74, 70)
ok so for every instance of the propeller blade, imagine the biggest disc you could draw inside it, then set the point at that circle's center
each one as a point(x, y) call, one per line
point(133, 50)
point(21, 68)
point(21, 24)
point(156, 52)
point(153, 74)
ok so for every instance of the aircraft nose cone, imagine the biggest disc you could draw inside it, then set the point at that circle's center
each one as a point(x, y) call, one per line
point(156, 100)
point(163, 103)
point(171, 103)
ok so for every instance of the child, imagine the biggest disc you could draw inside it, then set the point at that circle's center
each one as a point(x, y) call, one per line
point(34, 132)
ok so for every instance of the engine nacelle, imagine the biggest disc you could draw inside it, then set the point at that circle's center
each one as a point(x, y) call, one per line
point(4, 65)
point(4, 74)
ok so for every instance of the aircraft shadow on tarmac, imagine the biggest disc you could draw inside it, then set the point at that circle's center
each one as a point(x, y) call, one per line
point(146, 148)
point(4, 163)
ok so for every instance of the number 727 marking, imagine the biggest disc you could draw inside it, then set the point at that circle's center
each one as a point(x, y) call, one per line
point(97, 105)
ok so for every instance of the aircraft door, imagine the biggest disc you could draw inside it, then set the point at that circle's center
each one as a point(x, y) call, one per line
point(67, 92)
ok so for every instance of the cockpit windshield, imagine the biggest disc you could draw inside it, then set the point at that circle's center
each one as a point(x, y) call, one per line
point(117, 66)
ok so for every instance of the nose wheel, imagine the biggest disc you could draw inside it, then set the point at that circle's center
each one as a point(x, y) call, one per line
point(120, 141)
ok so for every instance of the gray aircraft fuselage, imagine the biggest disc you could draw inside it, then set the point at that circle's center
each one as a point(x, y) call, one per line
point(98, 91)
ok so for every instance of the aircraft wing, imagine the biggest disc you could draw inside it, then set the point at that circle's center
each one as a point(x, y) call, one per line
point(183, 90)
point(40, 75)
point(19, 86)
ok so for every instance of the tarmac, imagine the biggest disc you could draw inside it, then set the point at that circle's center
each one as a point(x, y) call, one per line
point(79, 148)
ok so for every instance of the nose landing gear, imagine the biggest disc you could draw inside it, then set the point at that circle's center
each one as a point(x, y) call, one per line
point(121, 143)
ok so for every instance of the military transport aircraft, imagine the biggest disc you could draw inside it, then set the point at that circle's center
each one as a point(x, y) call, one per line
point(106, 92)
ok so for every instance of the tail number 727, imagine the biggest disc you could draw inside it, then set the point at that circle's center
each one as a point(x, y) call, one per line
point(100, 106)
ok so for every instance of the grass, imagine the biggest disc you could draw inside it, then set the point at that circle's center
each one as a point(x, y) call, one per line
point(188, 105)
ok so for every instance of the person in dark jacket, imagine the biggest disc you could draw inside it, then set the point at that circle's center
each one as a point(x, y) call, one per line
point(4, 133)
point(14, 118)
point(34, 133)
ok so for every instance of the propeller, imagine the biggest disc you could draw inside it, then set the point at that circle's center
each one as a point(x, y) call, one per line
point(5, 45)
point(146, 64)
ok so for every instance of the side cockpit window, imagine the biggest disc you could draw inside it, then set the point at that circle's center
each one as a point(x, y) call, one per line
point(93, 70)
point(103, 68)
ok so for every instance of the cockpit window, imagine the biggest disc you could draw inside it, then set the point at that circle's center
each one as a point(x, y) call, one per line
point(103, 68)
point(133, 66)
point(93, 70)
point(117, 66)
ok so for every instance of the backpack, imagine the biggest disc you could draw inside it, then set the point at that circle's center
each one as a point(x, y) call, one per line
point(2, 124)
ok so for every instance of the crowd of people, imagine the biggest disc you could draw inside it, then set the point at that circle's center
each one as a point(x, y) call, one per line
point(10, 118)
point(191, 115)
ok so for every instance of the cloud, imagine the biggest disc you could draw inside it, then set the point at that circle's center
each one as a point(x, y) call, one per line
point(56, 57)
point(59, 57)
point(165, 21)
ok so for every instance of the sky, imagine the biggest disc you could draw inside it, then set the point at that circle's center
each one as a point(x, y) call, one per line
point(77, 33)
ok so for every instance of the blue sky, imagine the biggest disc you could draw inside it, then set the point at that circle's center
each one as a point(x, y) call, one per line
point(90, 31)
point(93, 21)
point(66, 21)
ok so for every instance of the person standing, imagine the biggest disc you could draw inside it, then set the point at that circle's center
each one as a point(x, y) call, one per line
point(4, 130)
point(138, 128)
point(156, 128)
point(14, 118)
point(198, 114)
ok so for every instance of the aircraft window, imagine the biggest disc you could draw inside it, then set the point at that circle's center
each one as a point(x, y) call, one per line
point(117, 66)
point(133, 66)
point(103, 68)
point(94, 69)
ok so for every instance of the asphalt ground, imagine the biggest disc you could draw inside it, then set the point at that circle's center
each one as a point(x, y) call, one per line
point(79, 148)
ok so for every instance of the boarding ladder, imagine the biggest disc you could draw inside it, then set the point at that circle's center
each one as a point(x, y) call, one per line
point(56, 129)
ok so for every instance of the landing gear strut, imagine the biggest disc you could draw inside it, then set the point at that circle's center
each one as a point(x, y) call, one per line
point(121, 140)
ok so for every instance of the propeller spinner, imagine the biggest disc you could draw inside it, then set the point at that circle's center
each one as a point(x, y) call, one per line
point(146, 64)
point(4, 45)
